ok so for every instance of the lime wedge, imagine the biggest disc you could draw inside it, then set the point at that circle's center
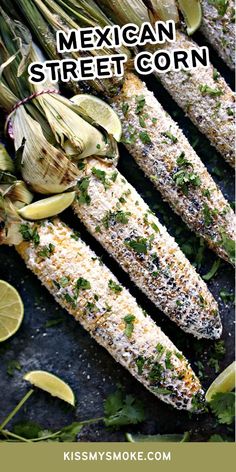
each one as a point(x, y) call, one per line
point(192, 12)
point(47, 207)
point(225, 382)
point(100, 112)
point(11, 310)
point(157, 437)
point(52, 384)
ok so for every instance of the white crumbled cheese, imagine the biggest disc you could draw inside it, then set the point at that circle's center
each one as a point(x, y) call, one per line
point(202, 108)
point(220, 30)
point(72, 260)
point(164, 274)
point(159, 161)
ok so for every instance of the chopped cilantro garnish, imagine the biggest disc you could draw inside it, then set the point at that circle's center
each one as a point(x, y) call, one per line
point(206, 90)
point(140, 103)
point(116, 288)
point(83, 196)
point(46, 251)
point(230, 112)
point(75, 235)
point(101, 175)
point(139, 245)
point(223, 406)
point(155, 373)
point(160, 349)
point(212, 271)
point(216, 74)
point(220, 5)
point(125, 107)
point(145, 138)
point(140, 361)
point(169, 135)
point(83, 284)
point(129, 325)
point(29, 234)
point(168, 362)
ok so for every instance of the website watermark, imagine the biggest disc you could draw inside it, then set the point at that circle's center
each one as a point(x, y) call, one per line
point(121, 456)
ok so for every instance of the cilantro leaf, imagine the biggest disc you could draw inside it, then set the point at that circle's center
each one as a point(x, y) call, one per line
point(223, 406)
point(69, 433)
point(27, 429)
point(212, 271)
point(121, 409)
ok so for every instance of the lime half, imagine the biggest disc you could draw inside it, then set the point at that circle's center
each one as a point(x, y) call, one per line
point(52, 384)
point(225, 382)
point(192, 12)
point(47, 207)
point(134, 438)
point(11, 310)
point(101, 113)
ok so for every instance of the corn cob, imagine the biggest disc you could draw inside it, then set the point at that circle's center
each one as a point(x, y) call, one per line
point(88, 290)
point(209, 215)
point(116, 215)
point(219, 29)
point(202, 93)
point(199, 201)
point(206, 99)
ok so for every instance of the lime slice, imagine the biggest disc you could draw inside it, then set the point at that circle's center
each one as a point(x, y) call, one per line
point(192, 12)
point(225, 382)
point(101, 113)
point(51, 384)
point(47, 207)
point(11, 310)
point(157, 437)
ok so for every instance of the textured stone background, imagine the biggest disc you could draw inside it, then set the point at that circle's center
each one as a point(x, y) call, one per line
point(68, 351)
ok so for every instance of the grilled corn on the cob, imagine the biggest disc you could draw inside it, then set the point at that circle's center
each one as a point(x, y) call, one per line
point(90, 292)
point(165, 155)
point(117, 216)
point(218, 26)
point(206, 99)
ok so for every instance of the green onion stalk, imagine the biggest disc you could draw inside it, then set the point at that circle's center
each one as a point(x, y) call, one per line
point(150, 135)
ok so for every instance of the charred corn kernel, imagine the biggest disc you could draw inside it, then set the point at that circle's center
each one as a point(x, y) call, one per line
point(88, 290)
point(172, 164)
point(120, 220)
point(205, 99)
point(218, 26)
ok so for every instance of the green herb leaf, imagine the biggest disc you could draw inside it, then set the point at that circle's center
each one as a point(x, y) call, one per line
point(223, 406)
point(220, 5)
point(121, 409)
point(12, 366)
point(83, 197)
point(116, 288)
point(139, 245)
point(212, 271)
point(129, 325)
point(206, 90)
point(69, 433)
point(83, 284)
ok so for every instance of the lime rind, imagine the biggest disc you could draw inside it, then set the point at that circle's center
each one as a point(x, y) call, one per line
point(192, 12)
point(225, 382)
point(47, 207)
point(101, 113)
point(52, 384)
point(11, 310)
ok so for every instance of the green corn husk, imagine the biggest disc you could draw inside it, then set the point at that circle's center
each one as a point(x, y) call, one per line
point(61, 15)
point(43, 126)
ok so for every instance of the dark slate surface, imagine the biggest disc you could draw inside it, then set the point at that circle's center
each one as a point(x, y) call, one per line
point(69, 352)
